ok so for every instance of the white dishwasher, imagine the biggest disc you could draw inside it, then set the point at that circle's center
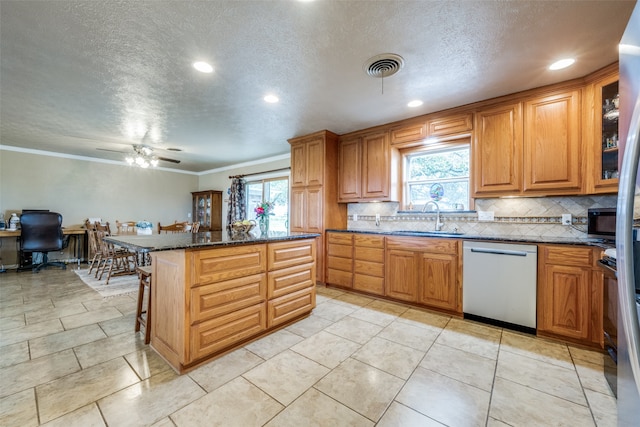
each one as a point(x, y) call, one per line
point(499, 284)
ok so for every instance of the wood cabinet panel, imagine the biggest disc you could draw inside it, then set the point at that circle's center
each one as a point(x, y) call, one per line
point(570, 296)
point(224, 297)
point(168, 330)
point(368, 240)
point(438, 285)
point(297, 213)
point(367, 283)
point(368, 268)
point(568, 255)
point(227, 263)
point(221, 332)
point(410, 133)
point(376, 165)
point(368, 254)
point(566, 301)
point(287, 280)
point(401, 275)
point(314, 214)
point(423, 244)
point(552, 150)
point(288, 307)
point(315, 161)
point(350, 170)
point(496, 150)
point(343, 251)
point(340, 238)
point(287, 254)
point(339, 263)
point(298, 164)
point(339, 277)
point(450, 125)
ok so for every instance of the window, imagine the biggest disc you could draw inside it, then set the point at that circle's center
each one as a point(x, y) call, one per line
point(275, 190)
point(440, 174)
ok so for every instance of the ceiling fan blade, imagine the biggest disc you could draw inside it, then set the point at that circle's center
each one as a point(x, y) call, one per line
point(113, 151)
point(165, 159)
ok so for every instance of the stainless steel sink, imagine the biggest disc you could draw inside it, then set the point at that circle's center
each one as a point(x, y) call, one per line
point(428, 233)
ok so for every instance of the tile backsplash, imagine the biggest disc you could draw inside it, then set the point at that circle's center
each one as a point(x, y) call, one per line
point(528, 216)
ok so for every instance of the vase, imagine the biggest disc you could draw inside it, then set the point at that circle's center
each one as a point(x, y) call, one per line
point(264, 224)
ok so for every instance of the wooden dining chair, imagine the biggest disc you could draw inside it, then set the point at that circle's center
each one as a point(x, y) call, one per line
point(195, 227)
point(177, 227)
point(116, 261)
point(125, 228)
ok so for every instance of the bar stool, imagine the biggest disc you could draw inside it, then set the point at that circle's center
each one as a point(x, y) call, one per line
point(144, 273)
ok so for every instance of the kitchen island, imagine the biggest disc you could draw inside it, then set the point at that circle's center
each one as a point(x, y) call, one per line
point(214, 291)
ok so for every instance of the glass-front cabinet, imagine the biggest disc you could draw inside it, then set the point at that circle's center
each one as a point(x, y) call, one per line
point(207, 209)
point(606, 130)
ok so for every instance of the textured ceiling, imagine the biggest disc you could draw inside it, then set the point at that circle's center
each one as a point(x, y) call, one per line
point(79, 76)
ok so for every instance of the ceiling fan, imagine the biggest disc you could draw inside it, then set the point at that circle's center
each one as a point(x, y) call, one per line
point(142, 156)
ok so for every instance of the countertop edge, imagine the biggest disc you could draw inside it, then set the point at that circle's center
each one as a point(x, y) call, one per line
point(586, 241)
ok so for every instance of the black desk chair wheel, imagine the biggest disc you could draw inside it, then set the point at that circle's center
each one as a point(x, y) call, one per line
point(42, 232)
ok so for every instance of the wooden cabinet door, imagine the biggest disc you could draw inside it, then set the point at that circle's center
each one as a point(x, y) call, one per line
point(315, 162)
point(297, 209)
point(298, 164)
point(552, 152)
point(401, 276)
point(376, 166)
point(565, 301)
point(438, 284)
point(497, 151)
point(313, 210)
point(350, 170)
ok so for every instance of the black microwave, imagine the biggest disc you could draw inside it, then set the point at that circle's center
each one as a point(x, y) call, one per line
point(601, 223)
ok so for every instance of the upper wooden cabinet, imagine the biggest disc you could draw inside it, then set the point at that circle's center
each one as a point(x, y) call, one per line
point(552, 144)
point(307, 161)
point(449, 125)
point(365, 168)
point(601, 131)
point(496, 150)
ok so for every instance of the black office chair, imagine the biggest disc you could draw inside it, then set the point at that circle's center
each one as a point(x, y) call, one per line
point(42, 232)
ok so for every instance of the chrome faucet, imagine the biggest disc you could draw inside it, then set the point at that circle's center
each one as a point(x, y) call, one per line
point(438, 223)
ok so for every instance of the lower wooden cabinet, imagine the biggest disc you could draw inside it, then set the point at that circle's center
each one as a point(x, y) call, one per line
point(290, 306)
point(339, 259)
point(570, 293)
point(368, 263)
point(424, 271)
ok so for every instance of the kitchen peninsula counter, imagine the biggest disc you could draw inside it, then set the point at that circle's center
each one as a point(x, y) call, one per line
point(213, 292)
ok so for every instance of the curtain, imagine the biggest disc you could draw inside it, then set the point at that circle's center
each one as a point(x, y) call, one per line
point(237, 201)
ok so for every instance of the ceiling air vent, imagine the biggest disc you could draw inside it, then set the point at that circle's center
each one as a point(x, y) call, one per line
point(384, 65)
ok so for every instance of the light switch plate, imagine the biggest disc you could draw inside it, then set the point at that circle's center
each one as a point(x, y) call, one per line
point(485, 215)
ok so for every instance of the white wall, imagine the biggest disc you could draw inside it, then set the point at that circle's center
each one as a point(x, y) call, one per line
point(79, 189)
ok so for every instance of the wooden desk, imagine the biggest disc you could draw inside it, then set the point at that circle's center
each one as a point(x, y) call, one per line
point(78, 242)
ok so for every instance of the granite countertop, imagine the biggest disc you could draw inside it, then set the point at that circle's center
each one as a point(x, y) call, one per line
point(587, 241)
point(171, 241)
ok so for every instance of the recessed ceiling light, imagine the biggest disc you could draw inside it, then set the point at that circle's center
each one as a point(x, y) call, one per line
point(563, 63)
point(203, 67)
point(415, 103)
point(271, 99)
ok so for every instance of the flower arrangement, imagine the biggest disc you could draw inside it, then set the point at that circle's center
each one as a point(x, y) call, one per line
point(144, 227)
point(263, 210)
point(144, 224)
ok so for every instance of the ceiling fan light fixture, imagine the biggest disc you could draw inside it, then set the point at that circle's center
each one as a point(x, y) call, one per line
point(154, 162)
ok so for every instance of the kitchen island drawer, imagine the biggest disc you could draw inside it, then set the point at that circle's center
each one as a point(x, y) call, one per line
point(283, 309)
point(213, 265)
point(287, 280)
point(220, 298)
point(287, 254)
point(223, 332)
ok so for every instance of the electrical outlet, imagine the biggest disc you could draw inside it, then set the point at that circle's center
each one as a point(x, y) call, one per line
point(566, 219)
point(355, 217)
point(188, 214)
point(377, 220)
point(485, 216)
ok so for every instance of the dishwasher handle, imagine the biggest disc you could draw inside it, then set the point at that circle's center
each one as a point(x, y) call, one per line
point(498, 252)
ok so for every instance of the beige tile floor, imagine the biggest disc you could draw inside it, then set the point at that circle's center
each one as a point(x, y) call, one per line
point(69, 357)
